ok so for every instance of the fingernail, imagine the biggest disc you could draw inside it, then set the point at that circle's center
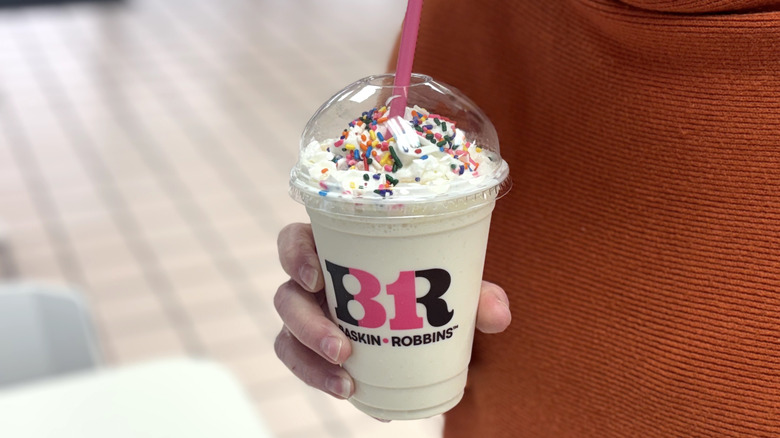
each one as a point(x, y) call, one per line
point(331, 347)
point(503, 299)
point(308, 276)
point(339, 386)
point(503, 303)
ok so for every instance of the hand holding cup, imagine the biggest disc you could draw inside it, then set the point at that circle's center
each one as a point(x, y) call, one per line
point(310, 344)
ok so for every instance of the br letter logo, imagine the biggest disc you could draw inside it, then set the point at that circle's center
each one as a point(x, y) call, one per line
point(404, 298)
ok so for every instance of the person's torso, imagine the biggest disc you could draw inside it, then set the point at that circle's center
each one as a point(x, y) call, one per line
point(640, 244)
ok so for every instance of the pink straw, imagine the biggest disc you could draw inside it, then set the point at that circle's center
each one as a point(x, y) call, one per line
point(403, 68)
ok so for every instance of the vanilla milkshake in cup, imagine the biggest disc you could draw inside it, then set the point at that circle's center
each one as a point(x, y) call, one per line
point(400, 208)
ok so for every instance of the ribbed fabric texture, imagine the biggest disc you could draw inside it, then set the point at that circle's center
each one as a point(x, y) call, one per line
point(704, 6)
point(640, 245)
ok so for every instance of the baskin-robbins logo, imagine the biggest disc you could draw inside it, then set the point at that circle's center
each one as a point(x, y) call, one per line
point(405, 301)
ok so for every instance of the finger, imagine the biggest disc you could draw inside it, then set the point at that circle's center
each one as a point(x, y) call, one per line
point(298, 256)
point(493, 314)
point(311, 368)
point(304, 317)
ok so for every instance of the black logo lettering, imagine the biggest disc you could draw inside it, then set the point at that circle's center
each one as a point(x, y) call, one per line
point(337, 274)
point(438, 313)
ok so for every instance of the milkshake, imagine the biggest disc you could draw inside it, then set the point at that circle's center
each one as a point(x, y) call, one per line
point(400, 209)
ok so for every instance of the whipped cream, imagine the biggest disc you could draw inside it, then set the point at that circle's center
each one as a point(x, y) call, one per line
point(378, 157)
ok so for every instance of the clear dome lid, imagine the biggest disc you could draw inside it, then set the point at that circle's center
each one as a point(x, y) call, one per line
point(440, 153)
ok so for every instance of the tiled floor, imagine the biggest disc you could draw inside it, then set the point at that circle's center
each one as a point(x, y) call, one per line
point(144, 153)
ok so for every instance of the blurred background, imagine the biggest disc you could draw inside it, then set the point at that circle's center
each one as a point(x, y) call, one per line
point(145, 147)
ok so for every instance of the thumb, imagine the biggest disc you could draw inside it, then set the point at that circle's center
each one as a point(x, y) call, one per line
point(493, 314)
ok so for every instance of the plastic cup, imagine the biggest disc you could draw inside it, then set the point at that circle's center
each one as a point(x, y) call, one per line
point(403, 262)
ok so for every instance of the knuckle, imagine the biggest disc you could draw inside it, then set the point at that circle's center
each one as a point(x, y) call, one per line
point(288, 250)
point(281, 296)
point(285, 233)
point(287, 246)
point(281, 344)
point(308, 375)
point(303, 371)
point(289, 235)
point(294, 237)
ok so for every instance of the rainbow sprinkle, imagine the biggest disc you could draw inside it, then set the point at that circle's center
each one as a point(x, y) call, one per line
point(368, 145)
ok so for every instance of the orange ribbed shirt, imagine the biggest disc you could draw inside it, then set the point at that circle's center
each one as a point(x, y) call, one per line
point(640, 245)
